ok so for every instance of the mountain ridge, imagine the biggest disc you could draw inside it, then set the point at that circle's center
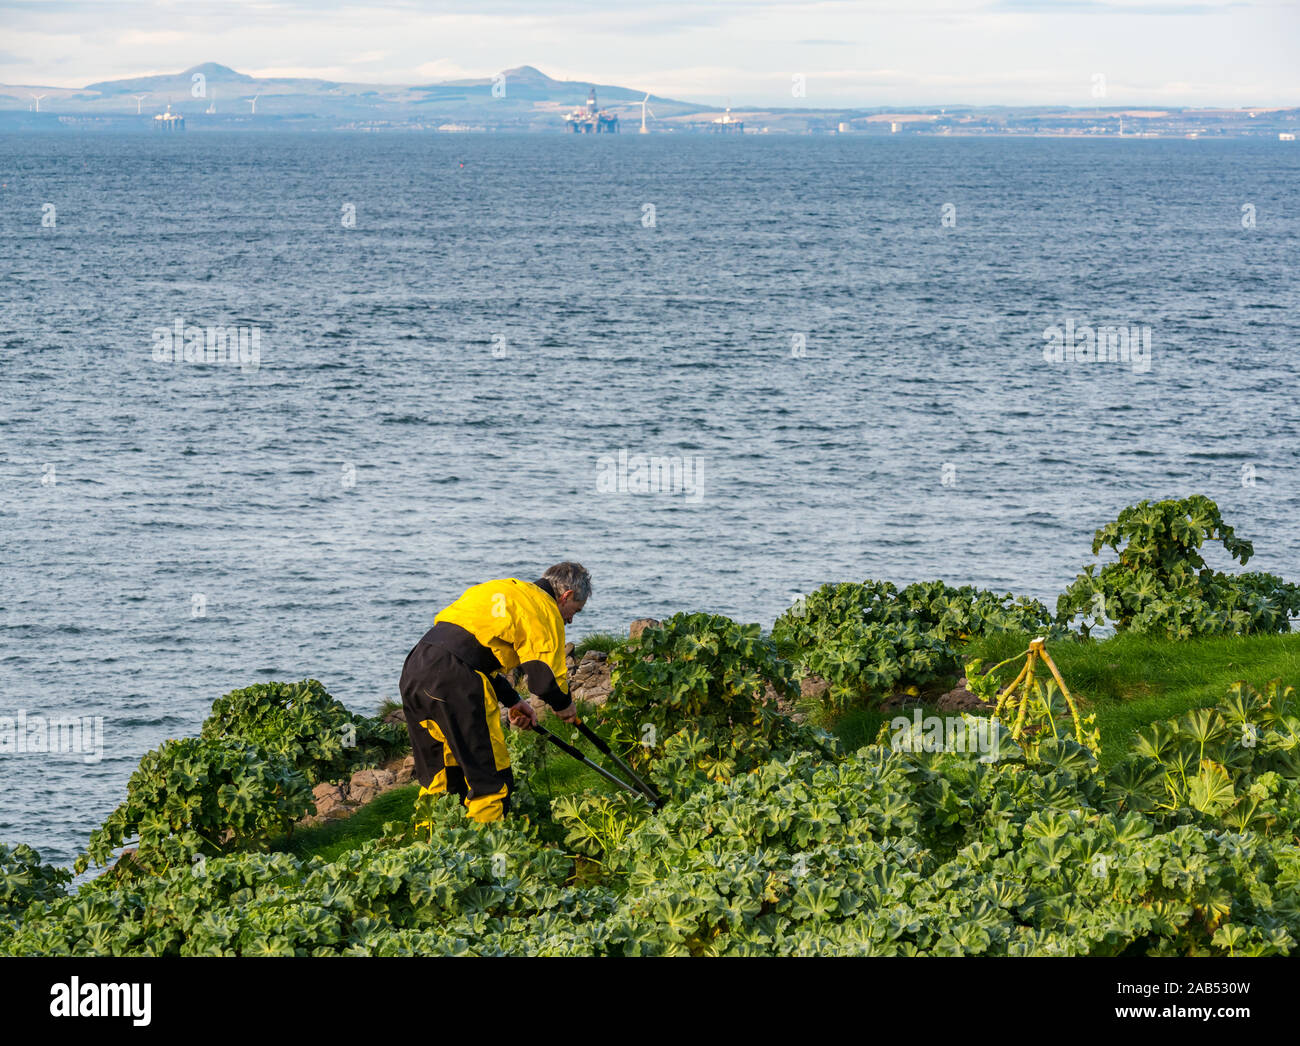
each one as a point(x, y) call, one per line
point(214, 96)
point(528, 78)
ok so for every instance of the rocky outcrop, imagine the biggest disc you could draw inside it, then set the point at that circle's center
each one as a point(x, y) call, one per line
point(638, 626)
point(331, 802)
point(366, 785)
point(959, 699)
point(336, 800)
point(589, 677)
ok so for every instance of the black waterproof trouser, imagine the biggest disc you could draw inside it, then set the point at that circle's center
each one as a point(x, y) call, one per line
point(454, 720)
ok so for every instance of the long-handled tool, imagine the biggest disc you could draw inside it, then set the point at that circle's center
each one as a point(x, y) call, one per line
point(599, 742)
point(577, 754)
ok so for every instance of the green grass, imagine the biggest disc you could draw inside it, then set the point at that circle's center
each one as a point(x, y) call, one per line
point(334, 838)
point(858, 726)
point(1130, 681)
point(606, 641)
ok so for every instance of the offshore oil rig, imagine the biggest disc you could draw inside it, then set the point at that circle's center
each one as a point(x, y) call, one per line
point(591, 119)
point(169, 121)
point(726, 124)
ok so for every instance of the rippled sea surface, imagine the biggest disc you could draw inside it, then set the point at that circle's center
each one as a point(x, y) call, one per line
point(438, 384)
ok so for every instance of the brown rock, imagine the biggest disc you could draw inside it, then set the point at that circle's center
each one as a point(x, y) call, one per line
point(374, 778)
point(330, 801)
point(365, 785)
point(328, 797)
point(589, 681)
point(125, 862)
point(397, 715)
point(899, 699)
point(813, 686)
point(568, 649)
point(640, 625)
point(959, 699)
point(405, 771)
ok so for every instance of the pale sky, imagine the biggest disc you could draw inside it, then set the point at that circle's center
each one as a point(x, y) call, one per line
point(860, 53)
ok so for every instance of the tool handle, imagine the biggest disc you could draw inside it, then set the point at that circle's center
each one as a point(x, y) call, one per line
point(592, 736)
point(560, 743)
point(564, 746)
point(600, 743)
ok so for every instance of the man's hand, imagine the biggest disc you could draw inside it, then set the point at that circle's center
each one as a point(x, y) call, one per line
point(568, 714)
point(522, 716)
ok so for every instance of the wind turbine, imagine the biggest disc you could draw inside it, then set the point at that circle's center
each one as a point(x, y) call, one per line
point(253, 102)
point(138, 99)
point(644, 129)
point(37, 99)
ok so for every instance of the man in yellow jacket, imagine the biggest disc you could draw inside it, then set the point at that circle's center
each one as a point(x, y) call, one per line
point(452, 686)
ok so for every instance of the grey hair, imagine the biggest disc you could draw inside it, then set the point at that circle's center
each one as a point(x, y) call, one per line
point(569, 577)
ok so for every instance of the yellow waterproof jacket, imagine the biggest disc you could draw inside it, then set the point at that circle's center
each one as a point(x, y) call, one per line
point(519, 624)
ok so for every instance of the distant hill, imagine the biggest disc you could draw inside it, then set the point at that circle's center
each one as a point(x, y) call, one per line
point(526, 96)
point(212, 96)
point(529, 82)
point(171, 83)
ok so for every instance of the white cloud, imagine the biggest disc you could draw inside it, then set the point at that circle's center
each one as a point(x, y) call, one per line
point(153, 38)
point(428, 72)
point(853, 52)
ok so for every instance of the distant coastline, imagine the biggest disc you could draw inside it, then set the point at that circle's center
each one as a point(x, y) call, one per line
point(214, 97)
point(51, 123)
